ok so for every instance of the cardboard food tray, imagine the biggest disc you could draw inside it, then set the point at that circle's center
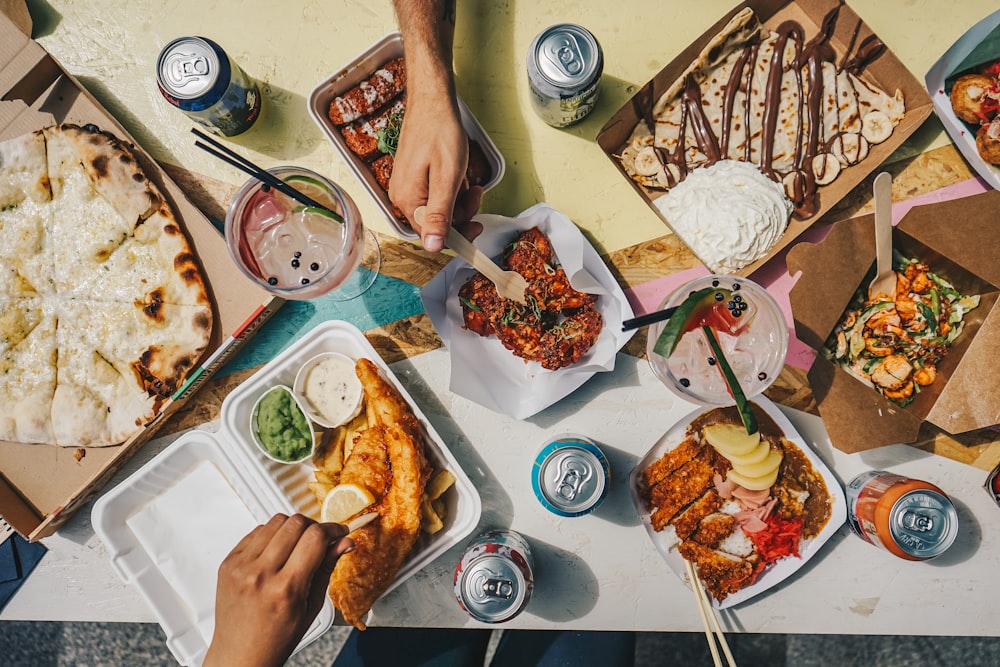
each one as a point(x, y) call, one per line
point(958, 239)
point(360, 69)
point(887, 71)
point(774, 575)
point(963, 134)
point(41, 485)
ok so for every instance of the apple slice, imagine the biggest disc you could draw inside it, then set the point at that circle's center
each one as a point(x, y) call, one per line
point(756, 455)
point(754, 483)
point(762, 468)
point(731, 439)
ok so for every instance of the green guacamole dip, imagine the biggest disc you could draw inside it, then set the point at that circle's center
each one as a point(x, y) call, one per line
point(283, 429)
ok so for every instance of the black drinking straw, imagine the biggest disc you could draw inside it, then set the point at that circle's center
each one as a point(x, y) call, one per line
point(648, 318)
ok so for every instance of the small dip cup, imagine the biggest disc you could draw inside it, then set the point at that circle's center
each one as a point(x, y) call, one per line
point(255, 431)
point(352, 401)
point(756, 354)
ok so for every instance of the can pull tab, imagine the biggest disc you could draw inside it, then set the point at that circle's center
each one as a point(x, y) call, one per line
point(917, 522)
point(498, 588)
point(564, 53)
point(572, 475)
point(179, 67)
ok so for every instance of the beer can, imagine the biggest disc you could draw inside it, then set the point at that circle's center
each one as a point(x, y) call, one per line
point(907, 517)
point(494, 578)
point(195, 75)
point(565, 63)
point(570, 476)
point(993, 485)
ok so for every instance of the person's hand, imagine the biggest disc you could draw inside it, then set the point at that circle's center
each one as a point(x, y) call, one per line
point(429, 170)
point(271, 586)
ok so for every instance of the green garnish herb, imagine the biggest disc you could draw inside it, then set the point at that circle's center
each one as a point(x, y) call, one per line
point(388, 137)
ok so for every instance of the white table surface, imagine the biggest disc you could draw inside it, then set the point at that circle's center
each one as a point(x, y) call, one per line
point(601, 571)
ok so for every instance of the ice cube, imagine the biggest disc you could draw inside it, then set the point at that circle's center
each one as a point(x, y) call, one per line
point(264, 211)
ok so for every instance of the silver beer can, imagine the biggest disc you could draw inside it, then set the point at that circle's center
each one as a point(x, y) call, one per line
point(570, 476)
point(494, 579)
point(565, 63)
point(196, 75)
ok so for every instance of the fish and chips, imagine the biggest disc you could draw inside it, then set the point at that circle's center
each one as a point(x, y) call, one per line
point(378, 456)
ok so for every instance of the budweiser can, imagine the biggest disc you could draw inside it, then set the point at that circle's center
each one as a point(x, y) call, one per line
point(195, 75)
point(570, 476)
point(565, 63)
point(494, 578)
point(907, 517)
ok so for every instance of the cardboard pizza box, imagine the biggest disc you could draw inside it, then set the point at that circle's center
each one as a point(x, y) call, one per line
point(42, 485)
point(886, 70)
point(957, 239)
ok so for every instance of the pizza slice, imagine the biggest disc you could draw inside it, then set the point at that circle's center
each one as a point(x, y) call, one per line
point(94, 404)
point(27, 369)
point(158, 344)
point(25, 265)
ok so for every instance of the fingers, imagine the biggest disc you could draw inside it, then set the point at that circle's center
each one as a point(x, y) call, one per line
point(467, 204)
point(253, 543)
point(286, 538)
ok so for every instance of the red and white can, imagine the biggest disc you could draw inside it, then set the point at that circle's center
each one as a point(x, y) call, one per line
point(494, 578)
point(909, 518)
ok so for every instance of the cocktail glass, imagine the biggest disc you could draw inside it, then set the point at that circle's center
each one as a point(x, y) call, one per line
point(301, 252)
point(754, 343)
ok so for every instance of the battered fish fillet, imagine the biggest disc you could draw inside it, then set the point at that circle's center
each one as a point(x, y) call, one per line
point(364, 574)
point(368, 464)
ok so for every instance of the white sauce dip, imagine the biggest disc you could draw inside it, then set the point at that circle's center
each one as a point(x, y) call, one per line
point(730, 214)
point(333, 390)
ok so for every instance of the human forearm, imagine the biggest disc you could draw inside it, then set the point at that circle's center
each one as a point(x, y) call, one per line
point(428, 28)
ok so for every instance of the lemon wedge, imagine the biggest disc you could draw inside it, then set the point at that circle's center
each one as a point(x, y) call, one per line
point(344, 501)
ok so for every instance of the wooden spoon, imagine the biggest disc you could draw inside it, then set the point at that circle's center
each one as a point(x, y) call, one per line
point(885, 278)
point(510, 284)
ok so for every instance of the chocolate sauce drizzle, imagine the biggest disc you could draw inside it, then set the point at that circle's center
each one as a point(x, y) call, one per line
point(800, 181)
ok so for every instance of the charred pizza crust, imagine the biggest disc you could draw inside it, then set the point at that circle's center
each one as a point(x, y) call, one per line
point(103, 308)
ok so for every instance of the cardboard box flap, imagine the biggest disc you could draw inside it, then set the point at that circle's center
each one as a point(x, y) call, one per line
point(835, 267)
point(18, 55)
point(17, 12)
point(964, 230)
point(17, 119)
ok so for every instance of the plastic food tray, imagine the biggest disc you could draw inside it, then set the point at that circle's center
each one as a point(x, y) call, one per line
point(360, 69)
point(779, 571)
point(963, 134)
point(264, 486)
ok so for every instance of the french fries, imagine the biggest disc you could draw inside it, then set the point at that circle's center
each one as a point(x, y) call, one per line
point(336, 447)
point(433, 509)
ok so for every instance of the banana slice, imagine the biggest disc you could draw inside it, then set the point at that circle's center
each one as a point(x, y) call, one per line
point(668, 176)
point(876, 127)
point(826, 168)
point(850, 148)
point(646, 163)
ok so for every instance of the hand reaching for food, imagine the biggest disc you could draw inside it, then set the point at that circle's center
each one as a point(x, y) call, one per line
point(271, 587)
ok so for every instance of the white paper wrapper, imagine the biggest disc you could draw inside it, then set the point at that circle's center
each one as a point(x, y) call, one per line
point(482, 370)
point(188, 530)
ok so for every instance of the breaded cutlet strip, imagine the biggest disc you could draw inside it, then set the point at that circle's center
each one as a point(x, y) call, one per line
point(361, 136)
point(669, 462)
point(366, 97)
point(687, 521)
point(722, 574)
point(713, 529)
point(382, 170)
point(679, 490)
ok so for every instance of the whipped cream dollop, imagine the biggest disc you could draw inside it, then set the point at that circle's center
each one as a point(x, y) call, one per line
point(729, 214)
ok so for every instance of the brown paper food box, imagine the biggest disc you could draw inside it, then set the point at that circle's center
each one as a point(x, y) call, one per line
point(959, 240)
point(42, 485)
point(887, 71)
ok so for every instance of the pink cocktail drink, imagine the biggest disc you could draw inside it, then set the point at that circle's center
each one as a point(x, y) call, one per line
point(293, 250)
point(751, 331)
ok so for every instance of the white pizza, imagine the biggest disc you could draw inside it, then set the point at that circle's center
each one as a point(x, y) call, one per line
point(103, 308)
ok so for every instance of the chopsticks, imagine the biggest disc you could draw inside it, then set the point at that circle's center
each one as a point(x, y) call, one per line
point(648, 318)
point(709, 620)
point(246, 166)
